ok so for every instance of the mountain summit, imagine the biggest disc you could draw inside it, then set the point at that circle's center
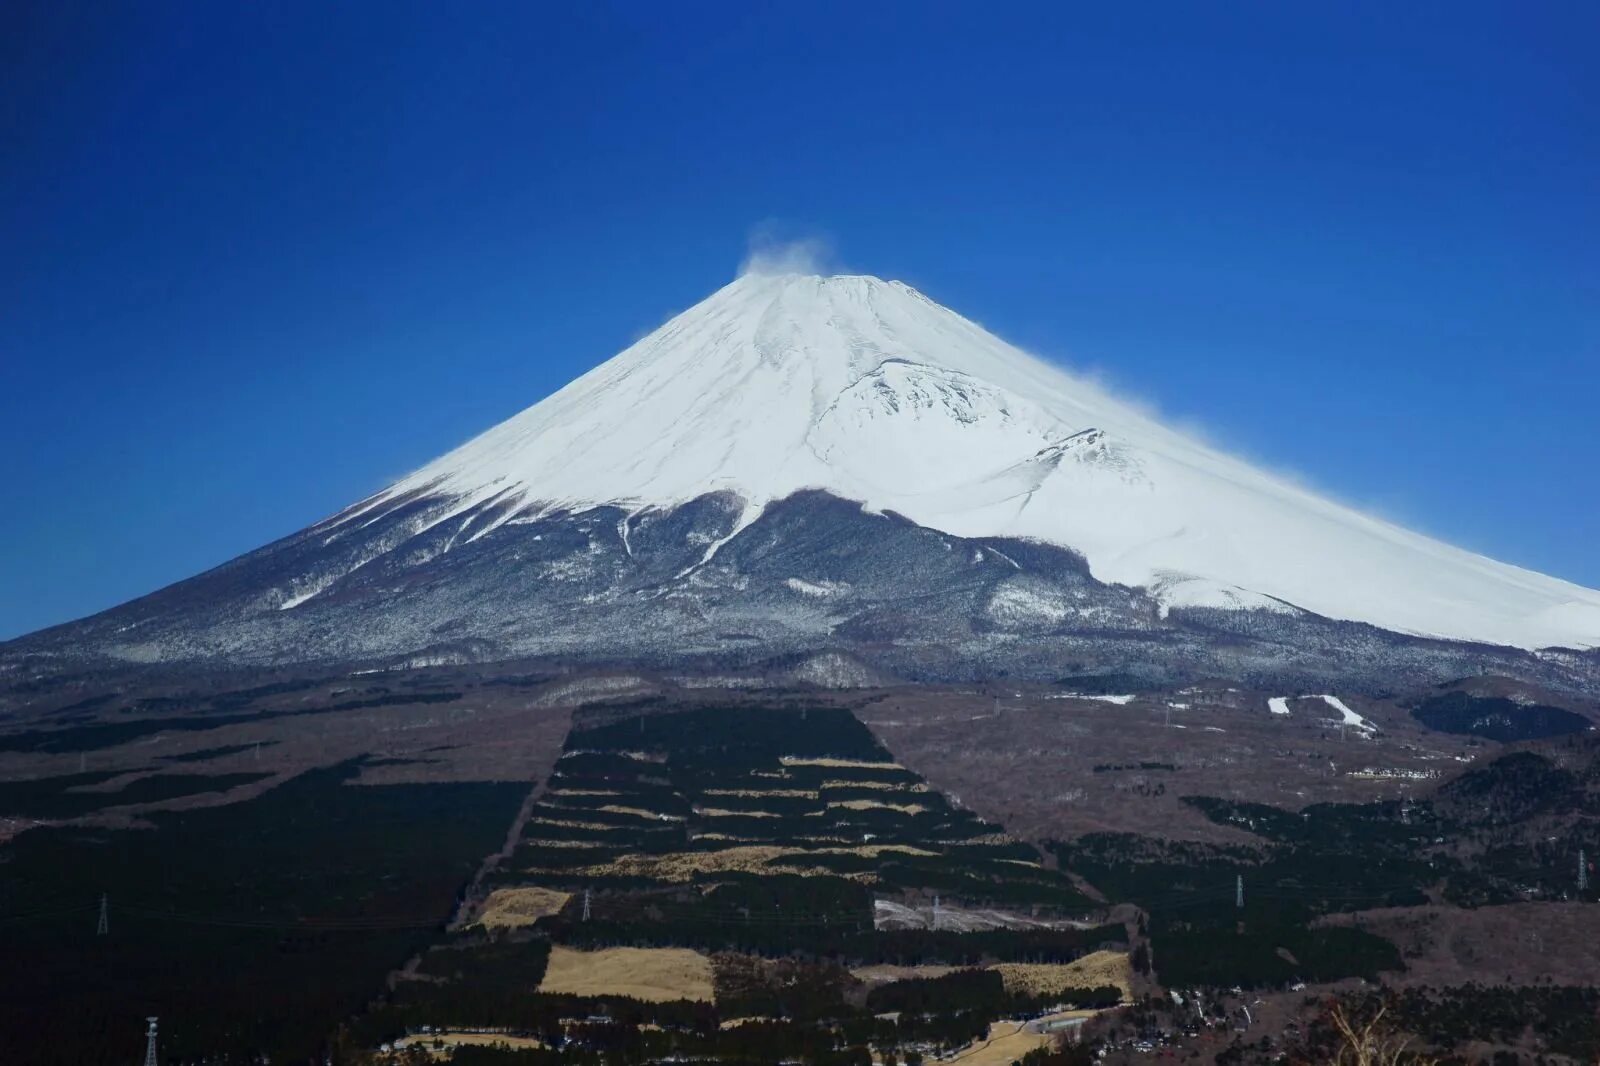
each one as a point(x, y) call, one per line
point(772, 469)
point(869, 390)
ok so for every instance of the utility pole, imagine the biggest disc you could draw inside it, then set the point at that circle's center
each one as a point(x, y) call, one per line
point(1583, 871)
point(150, 1044)
point(105, 924)
point(586, 904)
point(1238, 892)
point(935, 911)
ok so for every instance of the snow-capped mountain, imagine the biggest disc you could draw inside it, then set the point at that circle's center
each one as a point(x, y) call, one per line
point(752, 471)
point(869, 390)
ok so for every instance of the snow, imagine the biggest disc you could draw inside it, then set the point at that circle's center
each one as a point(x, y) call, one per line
point(1347, 716)
point(819, 589)
point(1280, 705)
point(1120, 701)
point(868, 389)
point(1018, 603)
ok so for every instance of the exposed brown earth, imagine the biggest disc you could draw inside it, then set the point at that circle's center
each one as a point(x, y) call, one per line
point(1515, 944)
point(1027, 760)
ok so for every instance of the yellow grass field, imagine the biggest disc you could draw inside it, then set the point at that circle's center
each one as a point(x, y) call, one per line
point(454, 1038)
point(656, 975)
point(878, 805)
point(757, 858)
point(1046, 979)
point(640, 812)
point(566, 823)
point(511, 908)
point(1006, 1043)
point(786, 793)
point(1039, 979)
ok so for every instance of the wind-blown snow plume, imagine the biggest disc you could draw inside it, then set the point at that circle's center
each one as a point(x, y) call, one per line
point(772, 254)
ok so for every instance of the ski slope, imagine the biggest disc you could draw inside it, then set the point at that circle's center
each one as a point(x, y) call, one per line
point(873, 392)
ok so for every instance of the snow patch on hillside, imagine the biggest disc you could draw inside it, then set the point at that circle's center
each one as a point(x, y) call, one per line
point(819, 589)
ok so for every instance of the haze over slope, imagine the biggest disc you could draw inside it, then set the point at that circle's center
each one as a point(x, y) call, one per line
point(871, 391)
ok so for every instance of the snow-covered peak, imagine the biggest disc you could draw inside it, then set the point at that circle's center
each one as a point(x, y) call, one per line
point(870, 390)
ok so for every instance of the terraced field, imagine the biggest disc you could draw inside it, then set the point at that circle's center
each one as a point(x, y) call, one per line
point(700, 798)
point(687, 868)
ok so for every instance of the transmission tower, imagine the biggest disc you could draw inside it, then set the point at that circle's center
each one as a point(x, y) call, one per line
point(1583, 871)
point(586, 904)
point(150, 1044)
point(1238, 892)
point(105, 924)
point(936, 911)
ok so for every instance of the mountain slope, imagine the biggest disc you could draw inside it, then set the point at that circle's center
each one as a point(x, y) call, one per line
point(873, 392)
point(800, 463)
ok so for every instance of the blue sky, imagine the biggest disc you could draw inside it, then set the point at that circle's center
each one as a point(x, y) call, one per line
point(260, 259)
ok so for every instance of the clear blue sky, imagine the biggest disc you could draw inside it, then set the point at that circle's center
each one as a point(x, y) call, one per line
point(258, 259)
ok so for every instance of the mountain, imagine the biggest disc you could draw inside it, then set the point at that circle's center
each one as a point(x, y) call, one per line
point(803, 463)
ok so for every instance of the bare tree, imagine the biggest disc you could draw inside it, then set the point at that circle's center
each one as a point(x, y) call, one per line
point(1371, 1043)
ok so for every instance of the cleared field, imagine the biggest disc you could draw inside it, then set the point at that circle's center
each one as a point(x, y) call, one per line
point(452, 1038)
point(564, 823)
point(877, 805)
point(640, 812)
point(1039, 979)
point(511, 908)
point(1006, 1043)
point(758, 793)
point(655, 975)
point(881, 786)
point(882, 975)
point(685, 865)
point(1045, 979)
point(790, 760)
